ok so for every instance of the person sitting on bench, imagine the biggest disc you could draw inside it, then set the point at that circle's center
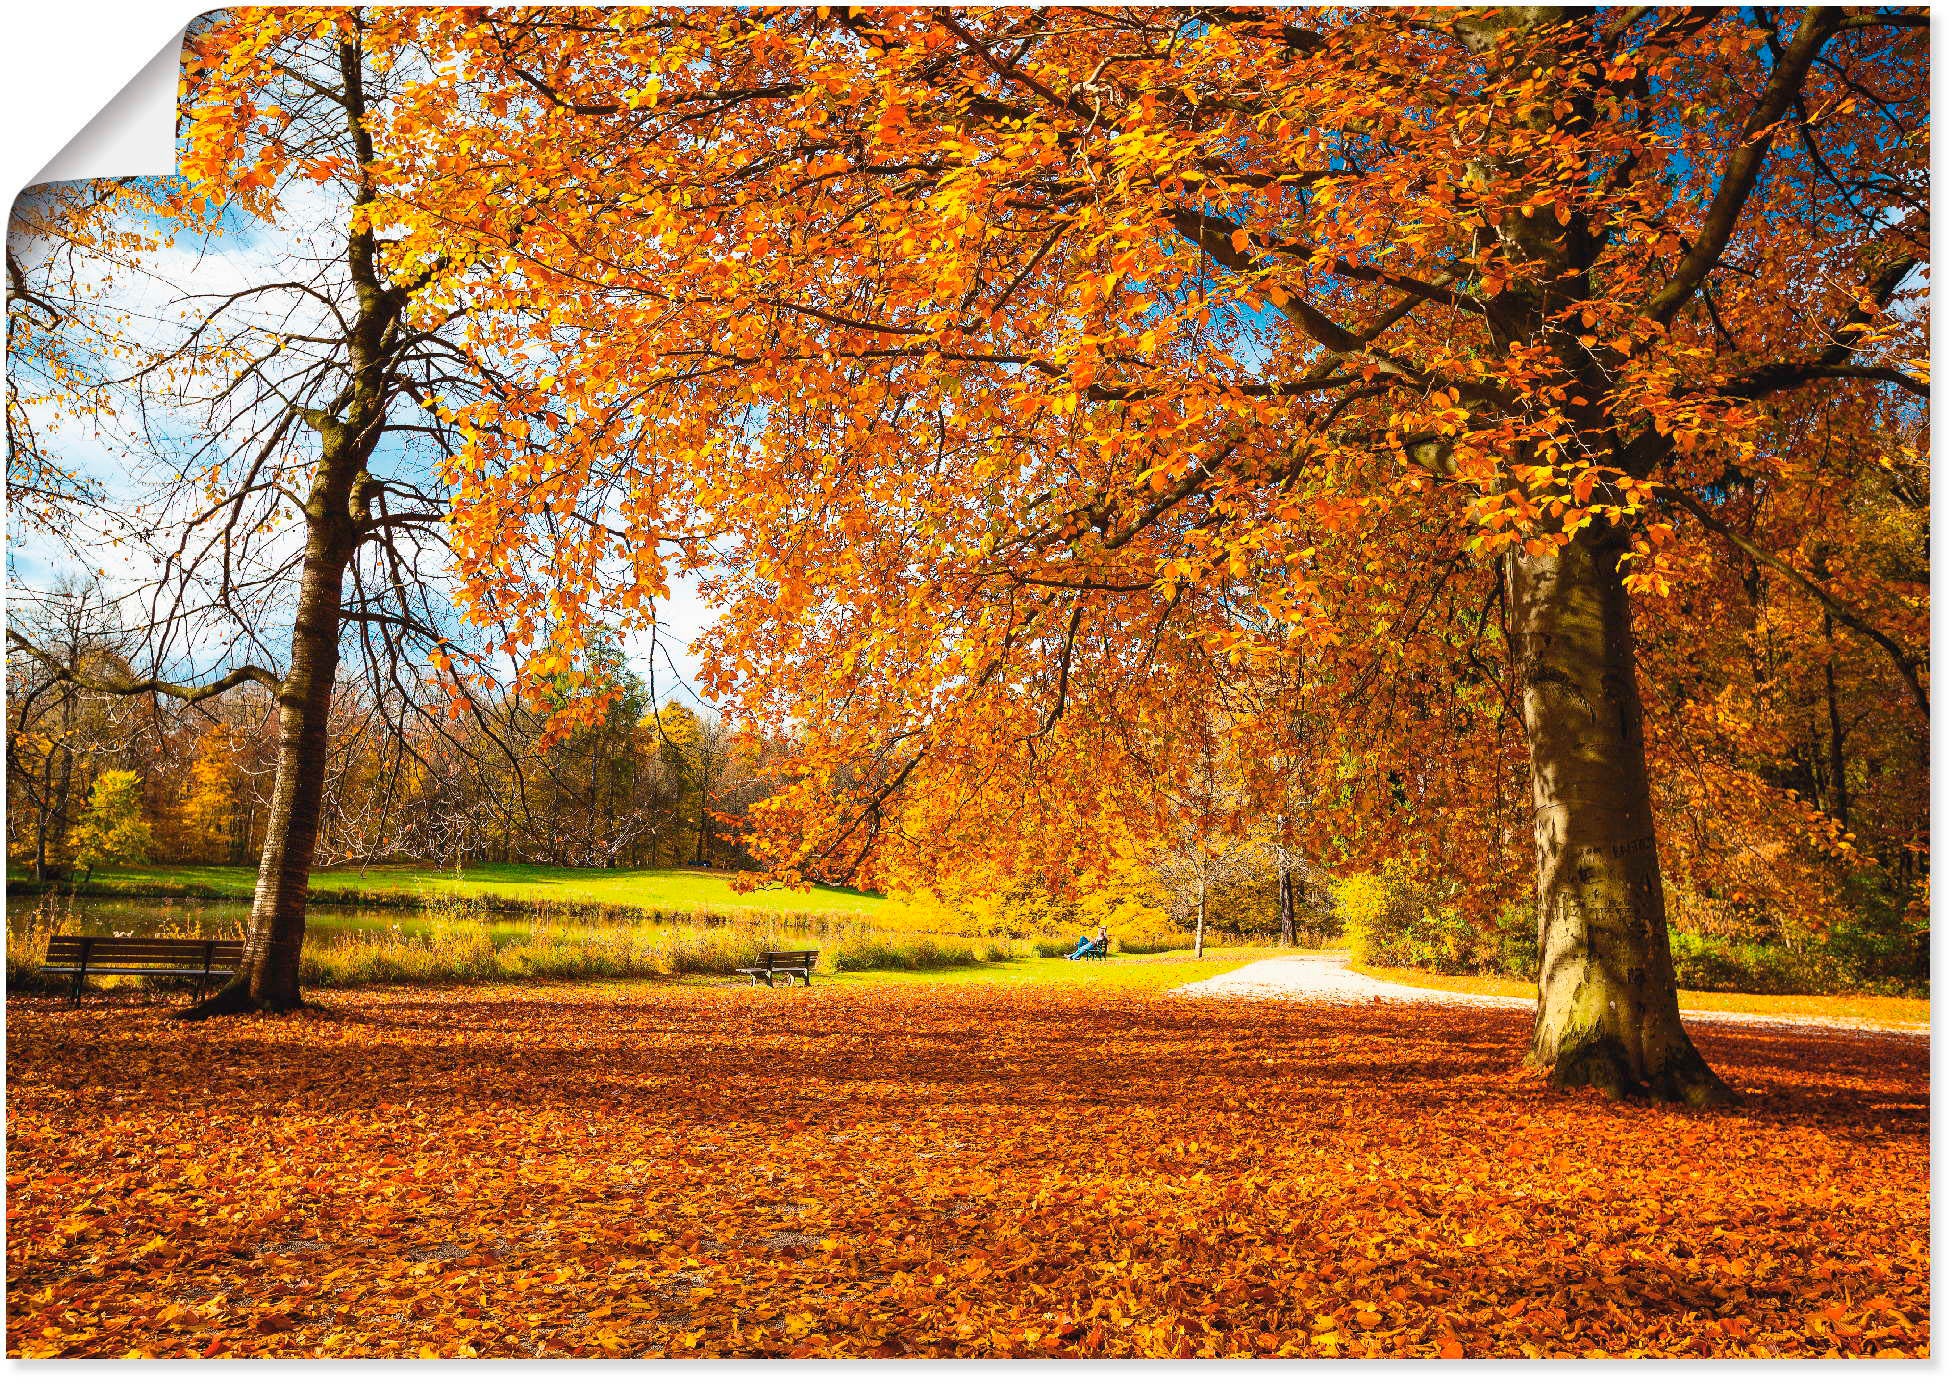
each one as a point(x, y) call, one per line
point(1101, 944)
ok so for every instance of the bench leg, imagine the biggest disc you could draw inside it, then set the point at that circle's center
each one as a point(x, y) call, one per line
point(74, 996)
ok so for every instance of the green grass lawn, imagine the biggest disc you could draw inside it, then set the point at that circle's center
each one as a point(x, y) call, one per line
point(695, 930)
point(1884, 1009)
point(1146, 973)
point(1159, 971)
point(671, 891)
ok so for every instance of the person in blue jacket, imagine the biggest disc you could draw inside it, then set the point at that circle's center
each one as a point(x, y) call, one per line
point(1087, 944)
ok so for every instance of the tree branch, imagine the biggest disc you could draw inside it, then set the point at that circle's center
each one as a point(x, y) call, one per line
point(1833, 361)
point(1907, 664)
point(1745, 164)
point(135, 687)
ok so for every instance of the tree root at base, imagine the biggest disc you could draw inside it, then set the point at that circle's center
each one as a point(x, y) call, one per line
point(238, 999)
point(1602, 1063)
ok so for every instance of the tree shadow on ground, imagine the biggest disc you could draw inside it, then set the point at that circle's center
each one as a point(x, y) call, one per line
point(643, 1047)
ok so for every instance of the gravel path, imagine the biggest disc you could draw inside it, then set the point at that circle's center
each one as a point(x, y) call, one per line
point(1328, 980)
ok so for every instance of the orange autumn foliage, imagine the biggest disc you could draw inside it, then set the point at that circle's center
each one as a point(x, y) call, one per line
point(1004, 374)
point(938, 1170)
point(69, 244)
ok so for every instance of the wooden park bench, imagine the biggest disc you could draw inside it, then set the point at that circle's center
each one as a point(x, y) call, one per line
point(782, 963)
point(1100, 950)
point(182, 958)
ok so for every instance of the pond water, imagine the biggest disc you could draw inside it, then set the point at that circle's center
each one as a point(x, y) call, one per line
point(218, 918)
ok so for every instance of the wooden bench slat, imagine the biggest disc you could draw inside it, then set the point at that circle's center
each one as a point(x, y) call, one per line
point(131, 953)
point(143, 946)
point(151, 951)
point(141, 939)
point(214, 972)
point(113, 940)
point(145, 959)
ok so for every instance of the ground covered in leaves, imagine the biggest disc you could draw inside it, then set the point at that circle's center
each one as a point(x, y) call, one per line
point(953, 1169)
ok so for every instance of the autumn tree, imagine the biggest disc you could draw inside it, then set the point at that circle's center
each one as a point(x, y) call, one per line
point(1791, 765)
point(978, 344)
point(68, 244)
point(1274, 714)
point(58, 735)
point(111, 830)
point(272, 398)
point(698, 751)
point(210, 804)
point(604, 792)
point(1196, 860)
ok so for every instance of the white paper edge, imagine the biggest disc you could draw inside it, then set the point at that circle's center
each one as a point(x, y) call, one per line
point(134, 135)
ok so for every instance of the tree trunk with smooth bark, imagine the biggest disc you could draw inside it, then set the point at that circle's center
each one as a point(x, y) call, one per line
point(267, 978)
point(337, 511)
point(1608, 1013)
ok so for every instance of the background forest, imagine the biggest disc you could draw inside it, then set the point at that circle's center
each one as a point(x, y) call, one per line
point(1822, 890)
point(645, 786)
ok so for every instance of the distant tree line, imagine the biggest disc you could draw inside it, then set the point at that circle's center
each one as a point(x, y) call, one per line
point(639, 785)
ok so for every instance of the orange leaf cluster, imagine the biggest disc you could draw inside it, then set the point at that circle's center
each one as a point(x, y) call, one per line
point(938, 1170)
point(997, 374)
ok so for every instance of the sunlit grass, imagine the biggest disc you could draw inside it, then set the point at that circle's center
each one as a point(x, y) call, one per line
point(1161, 971)
point(1885, 1009)
point(508, 925)
point(680, 891)
point(450, 943)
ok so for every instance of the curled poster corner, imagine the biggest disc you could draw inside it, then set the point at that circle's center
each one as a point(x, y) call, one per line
point(134, 135)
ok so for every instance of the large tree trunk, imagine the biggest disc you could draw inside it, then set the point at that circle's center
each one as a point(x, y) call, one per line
point(267, 979)
point(336, 513)
point(1608, 1014)
point(1199, 925)
point(1287, 891)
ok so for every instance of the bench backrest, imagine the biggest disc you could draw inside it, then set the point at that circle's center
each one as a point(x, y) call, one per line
point(788, 958)
point(146, 951)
